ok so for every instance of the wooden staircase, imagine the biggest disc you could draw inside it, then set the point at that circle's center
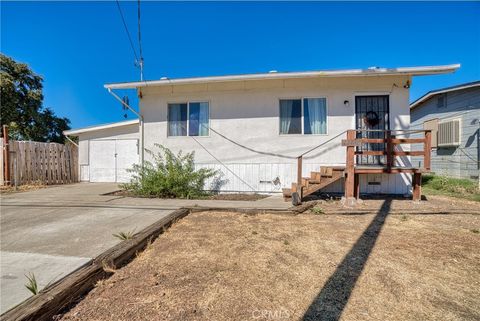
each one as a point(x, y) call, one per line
point(315, 182)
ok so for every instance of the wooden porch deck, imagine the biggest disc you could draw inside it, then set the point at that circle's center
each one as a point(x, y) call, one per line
point(329, 174)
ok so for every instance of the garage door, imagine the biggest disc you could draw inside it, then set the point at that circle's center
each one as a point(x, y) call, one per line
point(110, 159)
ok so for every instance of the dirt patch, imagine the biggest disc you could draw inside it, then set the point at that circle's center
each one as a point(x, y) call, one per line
point(230, 266)
point(237, 197)
point(222, 196)
point(433, 204)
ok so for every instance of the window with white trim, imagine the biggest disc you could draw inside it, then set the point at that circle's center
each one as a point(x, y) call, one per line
point(306, 116)
point(188, 119)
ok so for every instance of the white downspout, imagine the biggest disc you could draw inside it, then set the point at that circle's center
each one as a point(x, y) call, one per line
point(142, 124)
point(71, 141)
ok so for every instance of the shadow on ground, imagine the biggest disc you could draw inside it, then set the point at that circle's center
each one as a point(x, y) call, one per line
point(332, 299)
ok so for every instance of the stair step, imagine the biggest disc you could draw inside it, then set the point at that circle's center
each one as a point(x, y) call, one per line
point(315, 175)
point(326, 171)
point(317, 180)
point(324, 183)
point(294, 187)
point(287, 192)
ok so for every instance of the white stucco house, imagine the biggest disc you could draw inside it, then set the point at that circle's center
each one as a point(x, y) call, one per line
point(252, 127)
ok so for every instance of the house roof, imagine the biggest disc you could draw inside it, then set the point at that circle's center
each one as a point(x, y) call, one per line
point(443, 90)
point(75, 132)
point(373, 71)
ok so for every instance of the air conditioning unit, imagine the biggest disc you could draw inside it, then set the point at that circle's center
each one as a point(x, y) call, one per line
point(449, 133)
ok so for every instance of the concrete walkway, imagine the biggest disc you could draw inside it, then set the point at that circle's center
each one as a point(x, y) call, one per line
point(272, 202)
point(53, 231)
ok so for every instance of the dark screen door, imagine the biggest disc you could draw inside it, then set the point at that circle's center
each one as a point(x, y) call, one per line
point(372, 113)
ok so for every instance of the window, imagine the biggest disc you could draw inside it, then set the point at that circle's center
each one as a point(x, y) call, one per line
point(315, 116)
point(191, 118)
point(449, 133)
point(177, 120)
point(313, 110)
point(441, 101)
point(290, 116)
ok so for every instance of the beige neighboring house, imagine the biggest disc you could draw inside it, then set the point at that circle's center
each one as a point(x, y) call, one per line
point(252, 127)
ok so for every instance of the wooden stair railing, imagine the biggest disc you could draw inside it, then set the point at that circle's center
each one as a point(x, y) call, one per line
point(308, 185)
point(328, 174)
point(314, 183)
point(391, 151)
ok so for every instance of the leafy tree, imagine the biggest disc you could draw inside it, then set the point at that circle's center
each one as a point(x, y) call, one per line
point(22, 105)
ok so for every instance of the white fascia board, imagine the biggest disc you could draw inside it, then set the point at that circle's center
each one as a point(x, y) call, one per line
point(412, 71)
point(75, 132)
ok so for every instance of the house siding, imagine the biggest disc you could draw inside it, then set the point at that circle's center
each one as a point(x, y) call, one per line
point(253, 154)
point(464, 104)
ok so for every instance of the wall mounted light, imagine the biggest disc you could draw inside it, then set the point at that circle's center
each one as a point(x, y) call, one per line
point(346, 103)
point(407, 84)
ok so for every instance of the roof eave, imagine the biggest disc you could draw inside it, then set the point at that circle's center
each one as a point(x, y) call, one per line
point(432, 93)
point(412, 71)
point(76, 132)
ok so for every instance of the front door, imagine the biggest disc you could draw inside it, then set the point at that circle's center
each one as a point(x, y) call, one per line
point(372, 116)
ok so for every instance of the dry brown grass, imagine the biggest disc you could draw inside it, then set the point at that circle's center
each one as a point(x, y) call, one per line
point(21, 188)
point(230, 266)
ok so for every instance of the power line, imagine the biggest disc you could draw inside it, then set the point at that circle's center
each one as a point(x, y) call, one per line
point(221, 163)
point(140, 42)
point(126, 30)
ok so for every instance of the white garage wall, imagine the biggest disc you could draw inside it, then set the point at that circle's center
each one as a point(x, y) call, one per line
point(248, 114)
point(112, 134)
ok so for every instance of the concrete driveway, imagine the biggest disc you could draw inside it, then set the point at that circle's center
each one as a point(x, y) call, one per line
point(53, 231)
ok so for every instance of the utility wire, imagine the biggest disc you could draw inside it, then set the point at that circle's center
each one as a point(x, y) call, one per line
point(126, 30)
point(140, 42)
point(223, 164)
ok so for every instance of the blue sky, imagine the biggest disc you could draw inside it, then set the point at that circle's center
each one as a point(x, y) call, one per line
point(80, 46)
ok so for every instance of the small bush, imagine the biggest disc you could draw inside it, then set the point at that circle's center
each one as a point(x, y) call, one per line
point(124, 235)
point(168, 176)
point(318, 210)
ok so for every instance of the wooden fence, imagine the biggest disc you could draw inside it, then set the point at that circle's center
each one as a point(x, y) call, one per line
point(35, 162)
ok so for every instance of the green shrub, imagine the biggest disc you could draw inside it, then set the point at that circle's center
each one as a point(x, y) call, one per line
point(318, 210)
point(168, 176)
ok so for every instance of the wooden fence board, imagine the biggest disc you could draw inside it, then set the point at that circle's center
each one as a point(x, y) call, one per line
point(2, 182)
point(49, 163)
point(46, 163)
